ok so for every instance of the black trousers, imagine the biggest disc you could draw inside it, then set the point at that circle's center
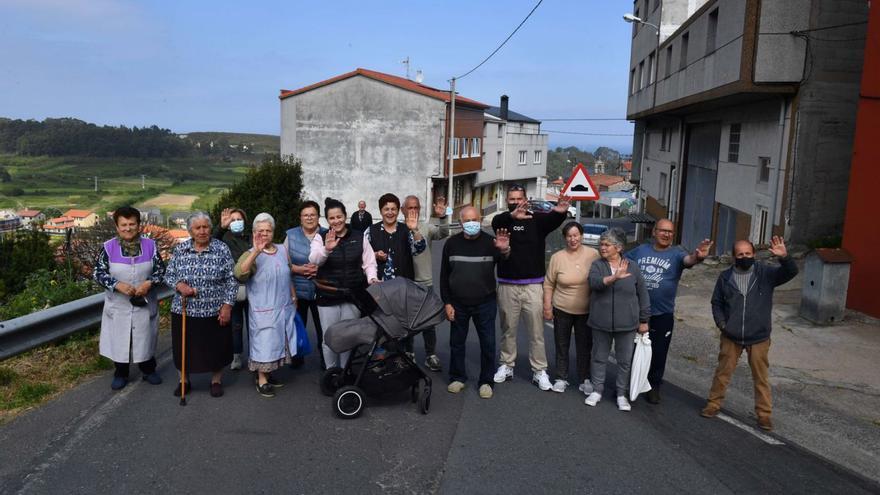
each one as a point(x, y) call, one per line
point(147, 367)
point(660, 333)
point(563, 326)
point(303, 306)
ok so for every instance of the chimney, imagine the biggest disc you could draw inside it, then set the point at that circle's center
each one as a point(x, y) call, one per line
point(504, 107)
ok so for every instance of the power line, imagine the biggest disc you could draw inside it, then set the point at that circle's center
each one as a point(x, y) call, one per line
point(799, 31)
point(583, 120)
point(503, 42)
point(586, 133)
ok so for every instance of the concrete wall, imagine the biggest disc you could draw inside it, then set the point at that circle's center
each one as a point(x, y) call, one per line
point(360, 138)
point(516, 142)
point(492, 144)
point(827, 103)
point(773, 58)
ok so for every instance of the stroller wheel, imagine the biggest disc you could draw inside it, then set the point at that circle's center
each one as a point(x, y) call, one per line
point(348, 402)
point(425, 398)
point(331, 380)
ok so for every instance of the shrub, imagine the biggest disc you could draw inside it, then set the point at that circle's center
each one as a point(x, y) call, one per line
point(44, 289)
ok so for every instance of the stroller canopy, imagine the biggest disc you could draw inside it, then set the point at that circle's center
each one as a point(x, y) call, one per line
point(401, 307)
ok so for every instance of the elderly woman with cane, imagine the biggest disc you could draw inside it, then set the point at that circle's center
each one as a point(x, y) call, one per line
point(619, 306)
point(130, 268)
point(272, 332)
point(201, 271)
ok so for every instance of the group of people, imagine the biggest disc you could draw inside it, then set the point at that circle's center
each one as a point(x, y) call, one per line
point(226, 276)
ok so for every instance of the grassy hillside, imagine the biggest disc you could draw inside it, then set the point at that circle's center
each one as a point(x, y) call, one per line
point(68, 182)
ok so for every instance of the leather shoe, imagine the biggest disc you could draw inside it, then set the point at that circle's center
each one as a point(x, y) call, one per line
point(153, 378)
point(765, 424)
point(216, 389)
point(709, 411)
point(653, 396)
point(118, 383)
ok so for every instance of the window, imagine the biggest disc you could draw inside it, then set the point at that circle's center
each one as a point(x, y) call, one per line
point(522, 157)
point(641, 74)
point(500, 131)
point(760, 235)
point(454, 145)
point(763, 169)
point(664, 181)
point(712, 31)
point(669, 139)
point(682, 63)
point(537, 157)
point(498, 159)
point(663, 140)
point(668, 70)
point(463, 147)
point(651, 68)
point(632, 81)
point(636, 24)
point(521, 127)
point(475, 146)
point(733, 143)
point(647, 143)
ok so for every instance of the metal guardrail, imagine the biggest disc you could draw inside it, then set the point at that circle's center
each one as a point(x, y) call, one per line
point(26, 332)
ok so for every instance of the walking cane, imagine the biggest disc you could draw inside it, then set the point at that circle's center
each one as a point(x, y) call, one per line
point(183, 351)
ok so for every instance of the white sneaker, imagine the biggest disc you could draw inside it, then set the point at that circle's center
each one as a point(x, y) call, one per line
point(586, 387)
point(559, 386)
point(593, 399)
point(503, 374)
point(542, 380)
point(623, 404)
point(236, 362)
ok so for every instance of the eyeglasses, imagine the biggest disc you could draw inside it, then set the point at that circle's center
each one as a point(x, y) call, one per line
point(516, 187)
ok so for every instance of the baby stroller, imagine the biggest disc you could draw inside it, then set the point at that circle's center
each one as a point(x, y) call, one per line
point(394, 309)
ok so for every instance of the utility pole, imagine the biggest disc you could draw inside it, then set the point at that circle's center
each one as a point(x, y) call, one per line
point(406, 63)
point(96, 183)
point(450, 192)
point(143, 182)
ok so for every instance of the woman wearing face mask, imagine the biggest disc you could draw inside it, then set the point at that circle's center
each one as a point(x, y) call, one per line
point(232, 232)
point(345, 260)
point(298, 245)
point(566, 302)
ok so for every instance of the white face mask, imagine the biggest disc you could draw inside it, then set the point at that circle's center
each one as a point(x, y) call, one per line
point(471, 228)
point(237, 226)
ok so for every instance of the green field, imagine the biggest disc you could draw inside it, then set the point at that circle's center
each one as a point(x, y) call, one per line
point(68, 182)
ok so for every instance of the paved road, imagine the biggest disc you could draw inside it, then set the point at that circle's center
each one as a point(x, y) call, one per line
point(92, 440)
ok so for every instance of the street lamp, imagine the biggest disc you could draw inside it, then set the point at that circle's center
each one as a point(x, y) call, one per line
point(638, 20)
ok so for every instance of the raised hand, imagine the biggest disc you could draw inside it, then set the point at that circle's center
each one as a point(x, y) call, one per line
point(226, 217)
point(622, 269)
point(502, 240)
point(777, 247)
point(703, 249)
point(259, 242)
point(412, 219)
point(330, 241)
point(562, 204)
point(521, 212)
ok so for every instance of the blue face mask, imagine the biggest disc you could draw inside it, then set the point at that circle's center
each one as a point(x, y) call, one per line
point(237, 226)
point(471, 228)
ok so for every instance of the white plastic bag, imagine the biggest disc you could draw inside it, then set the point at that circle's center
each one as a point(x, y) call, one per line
point(638, 381)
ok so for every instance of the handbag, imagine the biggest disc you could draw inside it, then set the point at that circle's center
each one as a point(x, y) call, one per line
point(241, 295)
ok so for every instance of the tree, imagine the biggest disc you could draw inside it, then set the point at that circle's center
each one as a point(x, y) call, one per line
point(4, 175)
point(22, 253)
point(274, 187)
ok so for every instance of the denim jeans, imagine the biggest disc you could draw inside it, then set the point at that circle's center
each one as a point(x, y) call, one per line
point(563, 325)
point(484, 321)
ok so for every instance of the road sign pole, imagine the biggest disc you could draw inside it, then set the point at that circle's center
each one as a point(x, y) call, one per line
point(578, 216)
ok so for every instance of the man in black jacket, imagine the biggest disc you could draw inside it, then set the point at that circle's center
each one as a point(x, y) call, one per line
point(521, 282)
point(741, 306)
point(361, 219)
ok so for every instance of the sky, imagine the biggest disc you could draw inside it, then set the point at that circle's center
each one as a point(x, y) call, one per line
point(218, 66)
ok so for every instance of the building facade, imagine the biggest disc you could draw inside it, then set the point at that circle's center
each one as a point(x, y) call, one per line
point(745, 114)
point(515, 152)
point(364, 133)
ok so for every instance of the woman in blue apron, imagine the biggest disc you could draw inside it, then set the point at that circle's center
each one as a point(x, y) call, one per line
point(273, 324)
point(130, 269)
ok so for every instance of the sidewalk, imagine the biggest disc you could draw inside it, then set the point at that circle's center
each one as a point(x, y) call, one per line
point(826, 380)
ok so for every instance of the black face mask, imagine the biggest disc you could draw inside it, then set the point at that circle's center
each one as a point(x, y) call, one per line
point(744, 263)
point(511, 207)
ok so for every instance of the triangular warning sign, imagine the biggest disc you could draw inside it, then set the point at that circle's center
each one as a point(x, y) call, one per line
point(579, 185)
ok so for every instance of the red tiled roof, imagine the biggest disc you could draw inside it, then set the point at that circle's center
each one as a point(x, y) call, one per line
point(77, 213)
point(28, 213)
point(606, 180)
point(400, 82)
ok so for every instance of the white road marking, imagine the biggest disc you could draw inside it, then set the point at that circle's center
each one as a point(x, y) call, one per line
point(761, 436)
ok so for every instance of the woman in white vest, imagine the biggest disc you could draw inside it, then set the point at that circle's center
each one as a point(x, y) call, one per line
point(130, 268)
point(272, 328)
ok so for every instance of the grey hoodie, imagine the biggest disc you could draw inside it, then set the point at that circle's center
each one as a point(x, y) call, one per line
point(621, 306)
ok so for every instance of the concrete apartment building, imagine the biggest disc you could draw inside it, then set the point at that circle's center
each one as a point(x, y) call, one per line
point(514, 152)
point(364, 133)
point(745, 114)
